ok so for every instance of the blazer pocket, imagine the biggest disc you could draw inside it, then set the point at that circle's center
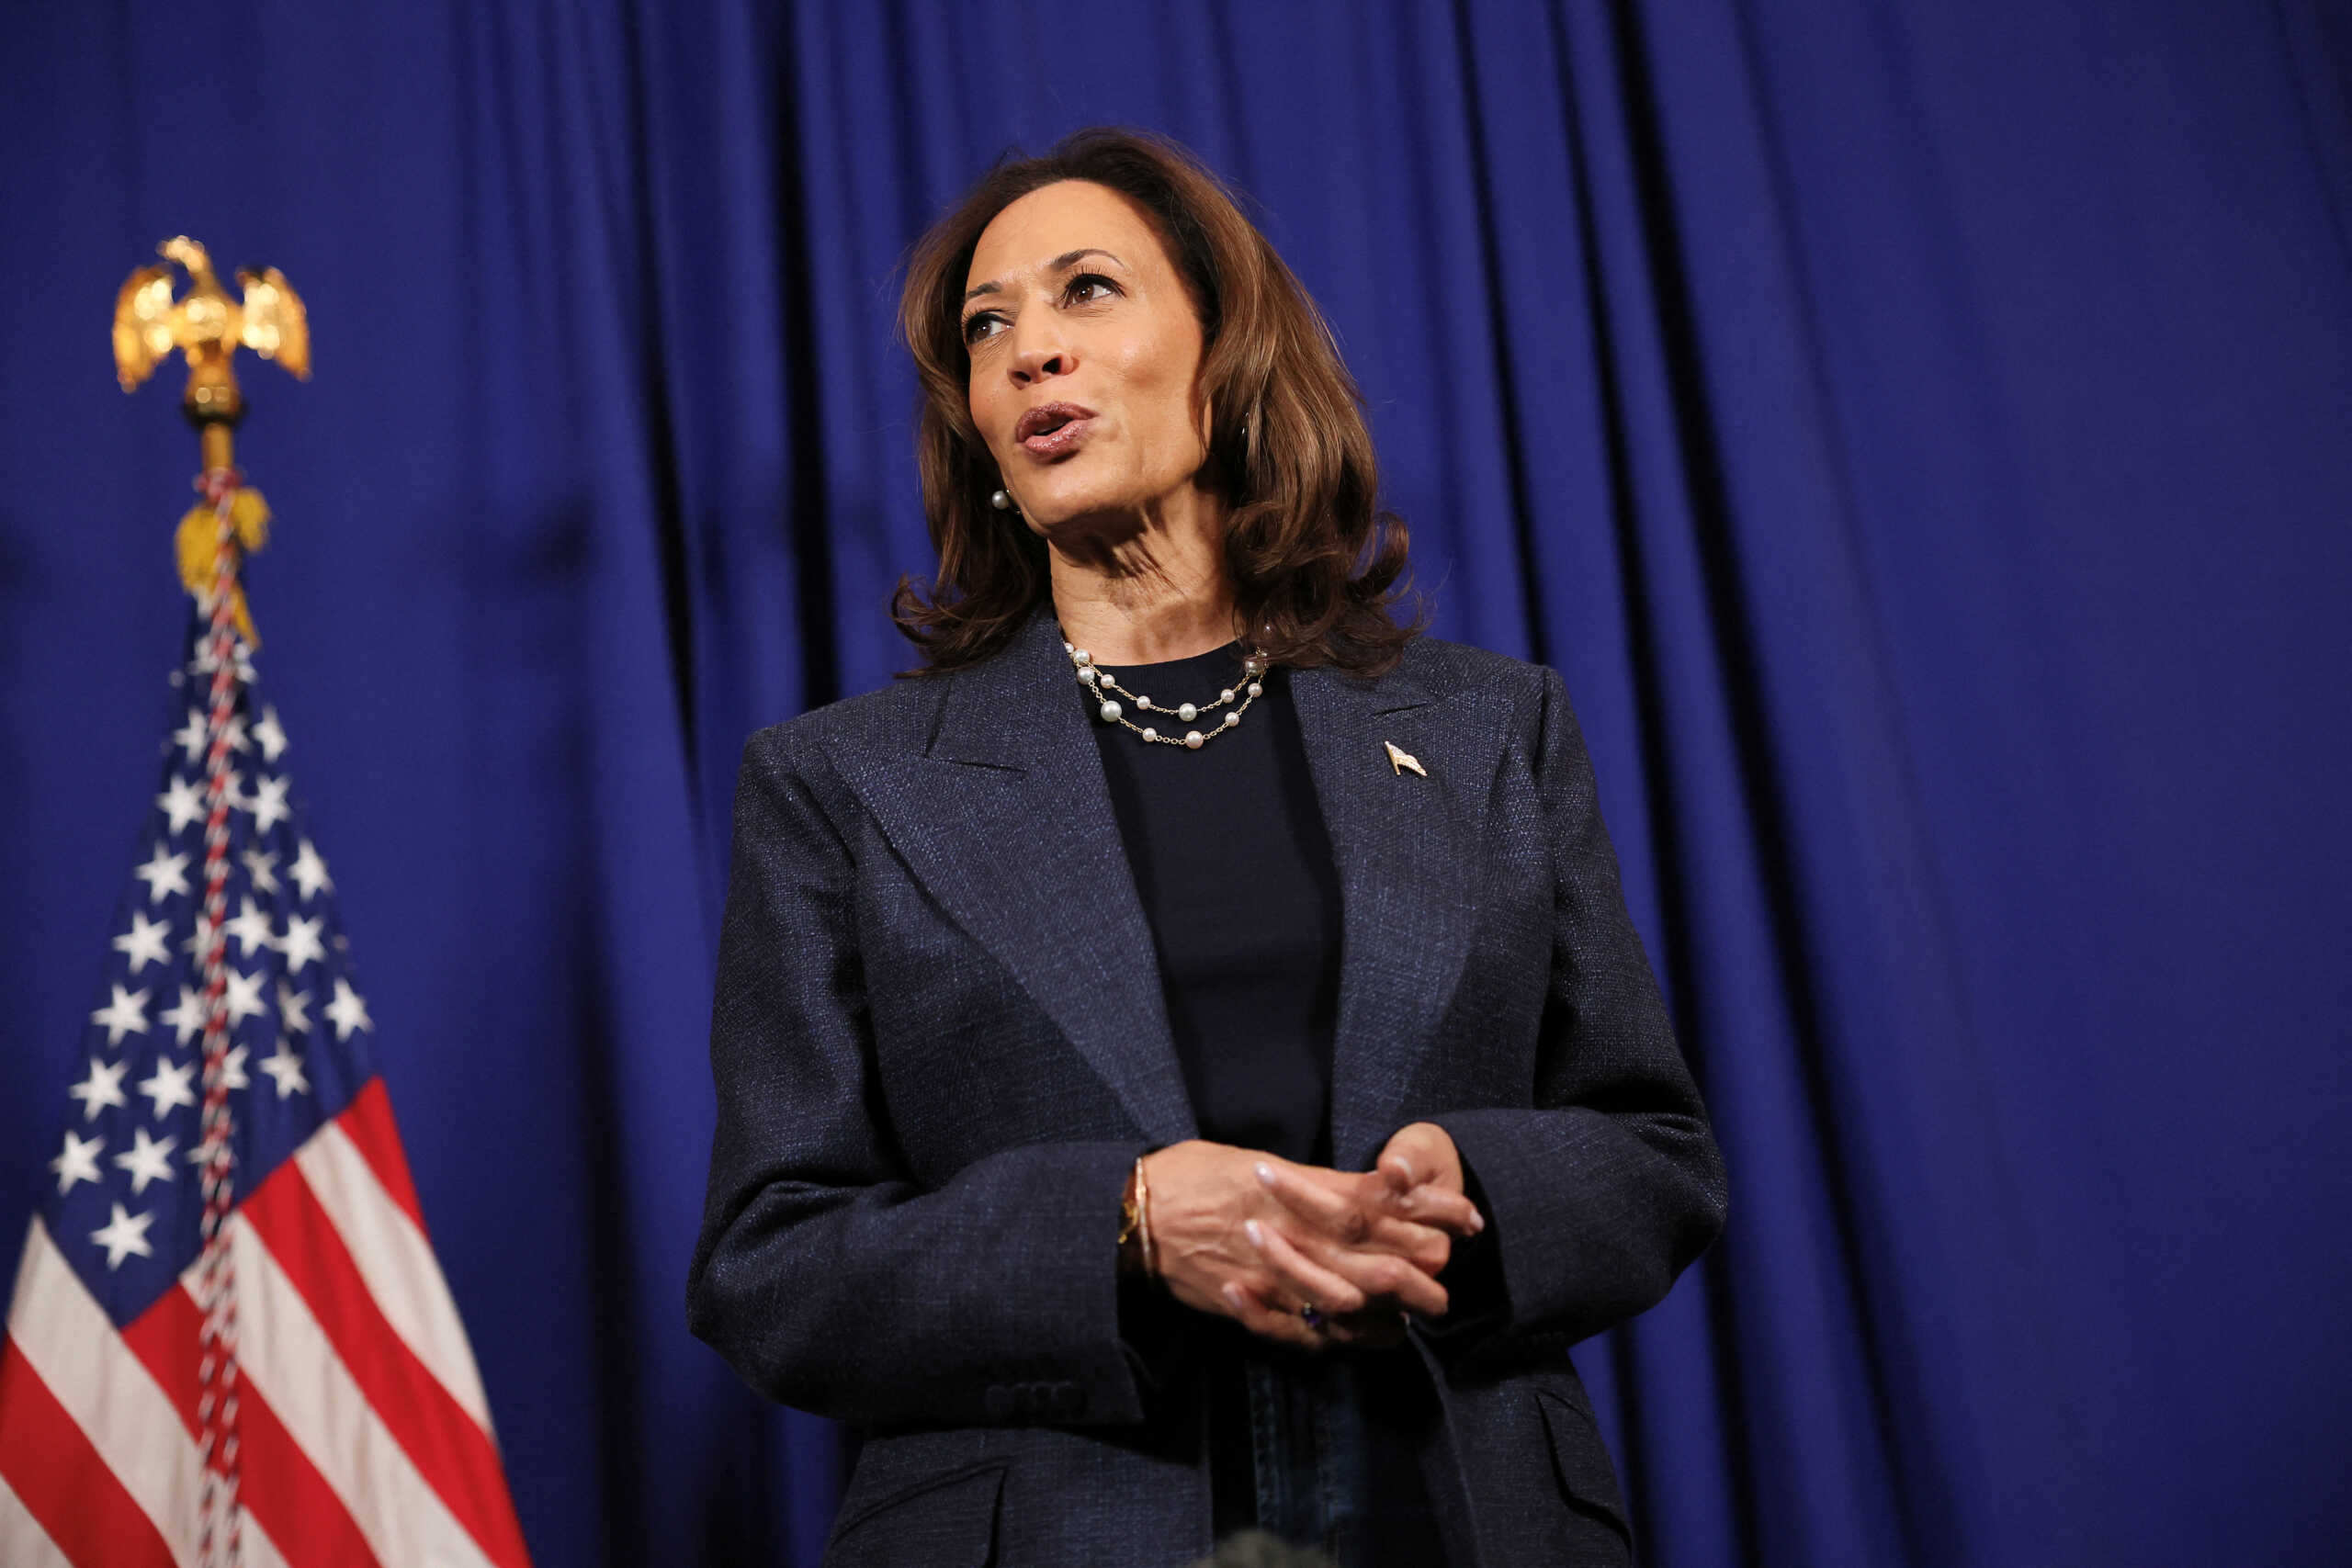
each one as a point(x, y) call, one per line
point(1579, 1458)
point(941, 1521)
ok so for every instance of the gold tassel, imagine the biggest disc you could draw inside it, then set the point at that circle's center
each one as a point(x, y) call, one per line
point(198, 537)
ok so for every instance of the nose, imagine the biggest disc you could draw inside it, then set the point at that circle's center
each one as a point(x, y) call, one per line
point(1040, 356)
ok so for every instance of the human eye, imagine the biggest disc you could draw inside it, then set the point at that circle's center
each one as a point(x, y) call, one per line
point(1081, 288)
point(980, 325)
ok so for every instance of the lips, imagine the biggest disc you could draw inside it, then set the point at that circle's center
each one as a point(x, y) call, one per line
point(1050, 430)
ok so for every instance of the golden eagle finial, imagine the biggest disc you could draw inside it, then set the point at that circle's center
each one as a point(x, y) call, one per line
point(205, 324)
point(208, 325)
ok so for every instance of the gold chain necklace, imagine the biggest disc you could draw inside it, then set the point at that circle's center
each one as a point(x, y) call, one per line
point(1106, 690)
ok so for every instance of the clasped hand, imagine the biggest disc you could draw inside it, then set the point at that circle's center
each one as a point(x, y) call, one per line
point(1255, 1238)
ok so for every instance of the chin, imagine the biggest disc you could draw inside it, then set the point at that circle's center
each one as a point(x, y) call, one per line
point(1085, 513)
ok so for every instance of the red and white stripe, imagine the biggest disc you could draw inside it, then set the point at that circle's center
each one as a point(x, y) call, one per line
point(365, 1437)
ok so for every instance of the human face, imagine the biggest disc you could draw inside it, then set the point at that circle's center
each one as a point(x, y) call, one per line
point(1085, 350)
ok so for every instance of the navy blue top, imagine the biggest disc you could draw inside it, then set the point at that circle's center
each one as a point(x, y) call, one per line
point(1235, 870)
point(1234, 867)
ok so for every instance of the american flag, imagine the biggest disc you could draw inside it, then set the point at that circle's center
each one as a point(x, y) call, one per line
point(359, 1433)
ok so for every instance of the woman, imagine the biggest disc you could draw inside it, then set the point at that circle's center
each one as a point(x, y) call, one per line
point(1183, 1064)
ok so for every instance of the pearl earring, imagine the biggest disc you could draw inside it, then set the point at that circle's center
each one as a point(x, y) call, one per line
point(1002, 502)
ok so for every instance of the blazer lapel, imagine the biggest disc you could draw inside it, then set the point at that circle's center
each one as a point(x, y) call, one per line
point(1406, 845)
point(1006, 821)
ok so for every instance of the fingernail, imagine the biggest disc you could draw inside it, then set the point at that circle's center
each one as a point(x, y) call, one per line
point(1405, 1200)
point(1232, 1293)
point(1265, 1172)
point(1478, 1222)
point(1257, 1237)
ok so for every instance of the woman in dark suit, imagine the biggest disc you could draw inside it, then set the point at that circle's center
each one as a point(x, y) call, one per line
point(1183, 1063)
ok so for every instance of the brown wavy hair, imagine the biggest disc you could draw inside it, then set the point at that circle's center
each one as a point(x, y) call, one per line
point(1314, 562)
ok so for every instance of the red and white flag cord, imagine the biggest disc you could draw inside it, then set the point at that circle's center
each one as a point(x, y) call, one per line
point(220, 1536)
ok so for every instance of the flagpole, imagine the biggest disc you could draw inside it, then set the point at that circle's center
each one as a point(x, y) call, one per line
point(208, 326)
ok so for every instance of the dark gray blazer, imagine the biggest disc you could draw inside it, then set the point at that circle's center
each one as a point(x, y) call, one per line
point(940, 1040)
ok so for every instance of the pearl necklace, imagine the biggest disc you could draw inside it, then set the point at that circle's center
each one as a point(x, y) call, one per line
point(1106, 689)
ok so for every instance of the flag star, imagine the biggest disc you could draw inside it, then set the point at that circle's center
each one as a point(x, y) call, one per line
point(185, 804)
point(251, 928)
point(301, 944)
point(286, 1067)
point(200, 1153)
point(187, 1019)
point(348, 1011)
point(147, 1160)
point(166, 874)
point(169, 1086)
point(196, 738)
point(262, 866)
point(233, 1078)
point(293, 1008)
point(79, 1162)
point(144, 941)
point(199, 941)
point(309, 872)
point(241, 654)
point(244, 997)
point(124, 1235)
point(126, 1014)
point(272, 738)
point(268, 803)
point(101, 1088)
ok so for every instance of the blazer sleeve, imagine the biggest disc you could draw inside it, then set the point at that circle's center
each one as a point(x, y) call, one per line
point(1604, 1189)
point(827, 1278)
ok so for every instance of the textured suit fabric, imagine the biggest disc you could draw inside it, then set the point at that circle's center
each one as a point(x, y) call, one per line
point(939, 1041)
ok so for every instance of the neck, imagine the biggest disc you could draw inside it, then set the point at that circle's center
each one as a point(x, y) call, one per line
point(1152, 590)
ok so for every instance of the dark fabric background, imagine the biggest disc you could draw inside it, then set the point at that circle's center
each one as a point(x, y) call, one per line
point(1921, 434)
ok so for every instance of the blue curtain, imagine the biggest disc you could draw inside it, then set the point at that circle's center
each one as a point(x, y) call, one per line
point(1921, 434)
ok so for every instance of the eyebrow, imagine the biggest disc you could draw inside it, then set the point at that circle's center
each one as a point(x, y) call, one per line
point(1066, 259)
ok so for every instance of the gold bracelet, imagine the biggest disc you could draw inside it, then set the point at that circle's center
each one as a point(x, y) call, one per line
point(1130, 1216)
point(1143, 1220)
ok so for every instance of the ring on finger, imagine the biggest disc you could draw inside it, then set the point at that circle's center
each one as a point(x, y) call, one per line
point(1311, 1317)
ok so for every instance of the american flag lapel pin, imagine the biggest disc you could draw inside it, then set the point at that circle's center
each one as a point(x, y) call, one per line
point(1399, 760)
